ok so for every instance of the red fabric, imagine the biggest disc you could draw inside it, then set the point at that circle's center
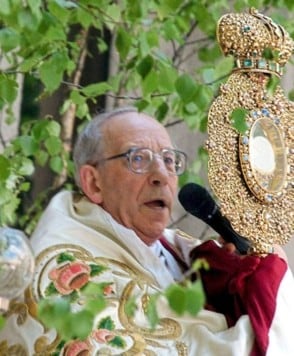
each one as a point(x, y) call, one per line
point(237, 285)
point(171, 249)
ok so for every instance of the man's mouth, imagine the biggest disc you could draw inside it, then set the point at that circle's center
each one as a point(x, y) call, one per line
point(158, 203)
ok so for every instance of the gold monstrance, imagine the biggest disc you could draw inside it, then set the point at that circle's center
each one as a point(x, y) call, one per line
point(251, 174)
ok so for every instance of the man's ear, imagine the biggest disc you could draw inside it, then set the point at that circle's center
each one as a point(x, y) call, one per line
point(90, 183)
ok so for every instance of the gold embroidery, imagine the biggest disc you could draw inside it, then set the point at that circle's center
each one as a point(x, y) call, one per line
point(31, 303)
point(43, 347)
point(125, 271)
point(143, 338)
point(182, 348)
point(139, 343)
point(167, 328)
point(20, 309)
point(14, 350)
point(184, 235)
point(145, 300)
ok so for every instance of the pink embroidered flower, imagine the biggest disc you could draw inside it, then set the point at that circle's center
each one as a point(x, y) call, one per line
point(77, 348)
point(108, 289)
point(102, 335)
point(70, 277)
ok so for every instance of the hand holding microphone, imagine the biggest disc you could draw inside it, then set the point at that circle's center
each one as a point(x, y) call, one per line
point(197, 201)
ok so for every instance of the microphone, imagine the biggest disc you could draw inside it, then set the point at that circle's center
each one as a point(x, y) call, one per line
point(197, 201)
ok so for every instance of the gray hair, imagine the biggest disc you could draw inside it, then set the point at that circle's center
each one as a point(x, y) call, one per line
point(90, 145)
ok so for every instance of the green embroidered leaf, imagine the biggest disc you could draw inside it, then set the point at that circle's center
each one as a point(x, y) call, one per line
point(63, 257)
point(97, 269)
point(50, 290)
point(72, 297)
point(117, 341)
point(106, 323)
point(59, 348)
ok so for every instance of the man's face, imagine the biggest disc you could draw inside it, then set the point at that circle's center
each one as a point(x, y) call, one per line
point(141, 202)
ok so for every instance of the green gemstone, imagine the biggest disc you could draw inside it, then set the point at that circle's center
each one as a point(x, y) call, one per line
point(247, 63)
point(261, 63)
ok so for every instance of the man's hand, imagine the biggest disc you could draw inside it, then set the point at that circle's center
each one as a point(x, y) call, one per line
point(230, 247)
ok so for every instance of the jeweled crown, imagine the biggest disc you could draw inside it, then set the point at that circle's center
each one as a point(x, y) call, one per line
point(247, 36)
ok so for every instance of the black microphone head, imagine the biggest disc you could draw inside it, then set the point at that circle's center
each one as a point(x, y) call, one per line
point(197, 201)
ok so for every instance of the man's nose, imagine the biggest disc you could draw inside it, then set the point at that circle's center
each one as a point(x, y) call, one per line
point(158, 172)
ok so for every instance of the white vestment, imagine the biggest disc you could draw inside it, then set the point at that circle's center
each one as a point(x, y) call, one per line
point(73, 226)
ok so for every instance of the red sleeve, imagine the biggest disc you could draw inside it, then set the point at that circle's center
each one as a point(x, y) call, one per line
point(237, 285)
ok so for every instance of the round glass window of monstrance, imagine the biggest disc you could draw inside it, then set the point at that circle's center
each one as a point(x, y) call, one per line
point(267, 155)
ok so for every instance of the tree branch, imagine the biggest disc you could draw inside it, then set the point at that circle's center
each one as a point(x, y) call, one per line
point(68, 118)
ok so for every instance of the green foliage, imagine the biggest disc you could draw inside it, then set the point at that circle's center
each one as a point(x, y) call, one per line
point(2, 322)
point(186, 297)
point(151, 312)
point(272, 84)
point(238, 117)
point(291, 95)
point(8, 90)
point(55, 312)
point(189, 298)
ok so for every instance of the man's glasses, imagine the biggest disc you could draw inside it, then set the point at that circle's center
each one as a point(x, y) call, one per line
point(140, 160)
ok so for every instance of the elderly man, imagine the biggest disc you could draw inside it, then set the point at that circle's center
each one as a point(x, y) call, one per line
point(115, 231)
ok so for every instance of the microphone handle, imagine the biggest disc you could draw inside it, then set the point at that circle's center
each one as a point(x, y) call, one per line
point(222, 225)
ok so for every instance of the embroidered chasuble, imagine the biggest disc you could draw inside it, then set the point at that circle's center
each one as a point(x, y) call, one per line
point(76, 242)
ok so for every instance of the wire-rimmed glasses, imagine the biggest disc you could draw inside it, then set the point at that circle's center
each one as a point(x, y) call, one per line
point(140, 159)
